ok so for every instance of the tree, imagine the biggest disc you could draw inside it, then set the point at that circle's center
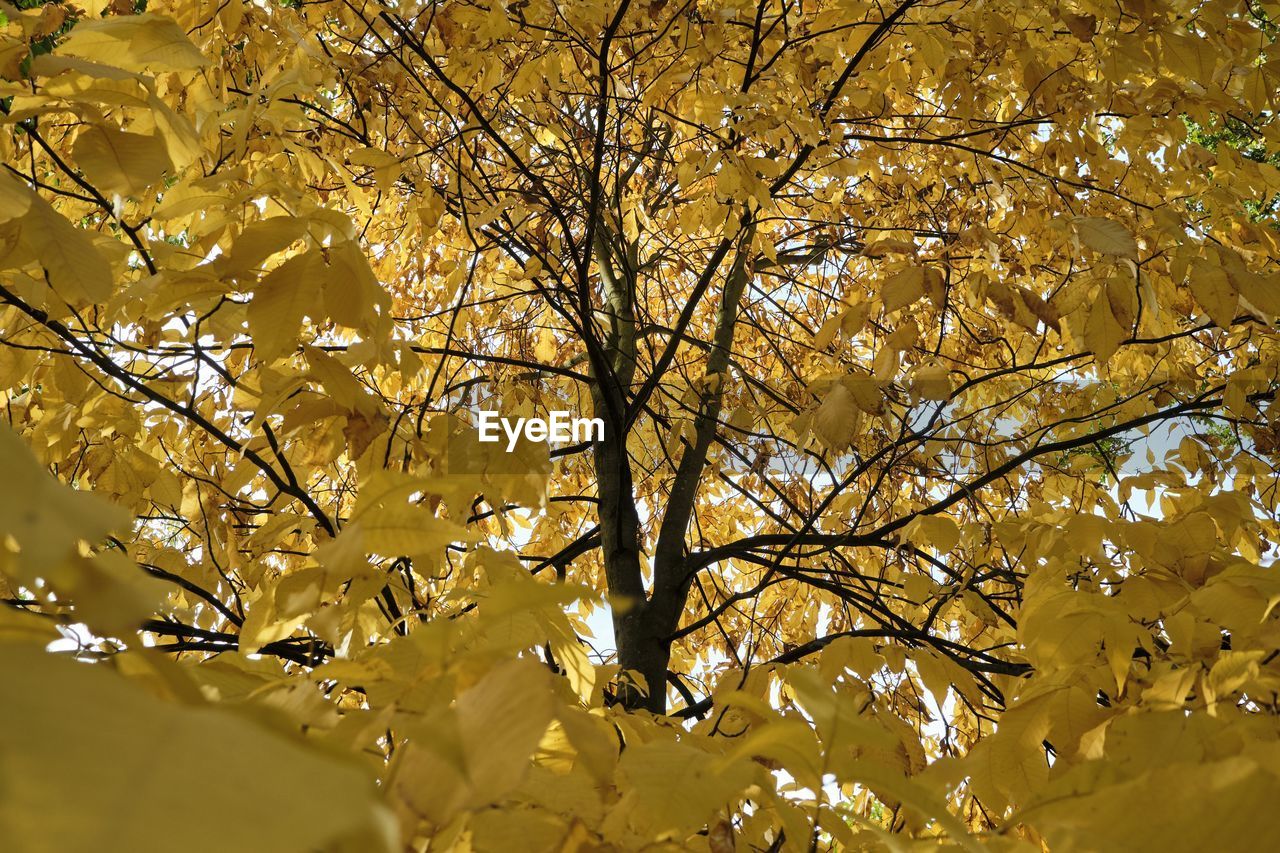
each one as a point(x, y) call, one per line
point(934, 346)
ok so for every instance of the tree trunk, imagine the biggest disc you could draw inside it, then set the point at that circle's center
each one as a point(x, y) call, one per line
point(639, 650)
point(644, 623)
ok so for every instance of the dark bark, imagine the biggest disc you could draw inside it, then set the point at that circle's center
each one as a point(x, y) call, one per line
point(644, 622)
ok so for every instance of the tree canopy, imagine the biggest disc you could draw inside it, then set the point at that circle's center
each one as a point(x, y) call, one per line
point(935, 349)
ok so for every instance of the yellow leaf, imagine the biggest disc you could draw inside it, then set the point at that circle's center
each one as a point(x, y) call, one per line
point(1106, 236)
point(352, 293)
point(516, 828)
point(1103, 333)
point(280, 301)
point(827, 332)
point(940, 531)
point(837, 417)
point(385, 166)
point(545, 348)
point(110, 593)
point(144, 42)
point(1260, 294)
point(395, 531)
point(1009, 766)
point(706, 785)
point(903, 288)
point(593, 739)
point(120, 163)
point(888, 245)
point(884, 367)
point(1234, 670)
point(935, 285)
point(481, 748)
point(76, 269)
point(260, 240)
point(91, 738)
point(856, 653)
point(924, 801)
point(1123, 298)
point(842, 718)
point(1213, 290)
point(45, 518)
point(1081, 26)
point(789, 742)
point(1216, 786)
point(338, 381)
point(181, 141)
point(1022, 306)
point(904, 337)
point(15, 198)
point(854, 319)
point(932, 382)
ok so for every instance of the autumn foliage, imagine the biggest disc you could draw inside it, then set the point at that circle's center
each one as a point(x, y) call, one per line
point(935, 345)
